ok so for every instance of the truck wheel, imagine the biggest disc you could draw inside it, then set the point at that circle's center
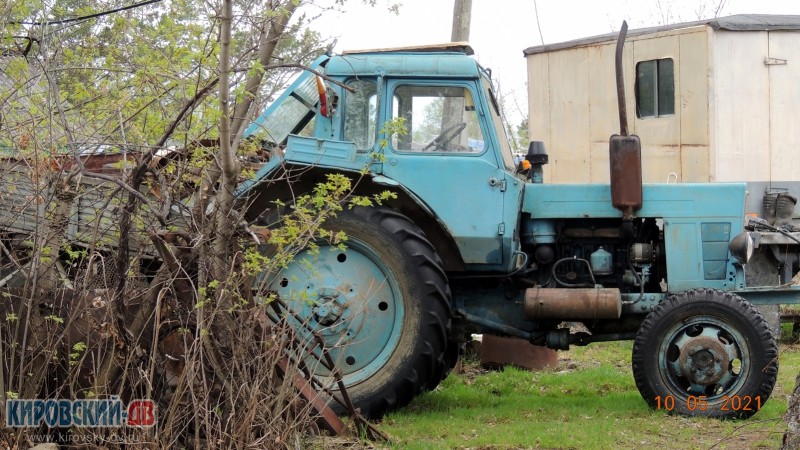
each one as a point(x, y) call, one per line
point(382, 307)
point(705, 353)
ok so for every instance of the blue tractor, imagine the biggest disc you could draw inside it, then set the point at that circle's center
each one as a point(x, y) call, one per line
point(475, 243)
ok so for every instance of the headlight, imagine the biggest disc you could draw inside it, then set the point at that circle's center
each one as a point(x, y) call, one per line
point(741, 247)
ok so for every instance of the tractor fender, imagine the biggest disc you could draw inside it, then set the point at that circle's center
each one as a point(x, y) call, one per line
point(423, 215)
point(284, 180)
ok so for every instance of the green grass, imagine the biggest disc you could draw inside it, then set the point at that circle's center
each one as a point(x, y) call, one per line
point(589, 402)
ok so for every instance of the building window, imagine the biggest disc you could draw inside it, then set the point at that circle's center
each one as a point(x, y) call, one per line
point(655, 88)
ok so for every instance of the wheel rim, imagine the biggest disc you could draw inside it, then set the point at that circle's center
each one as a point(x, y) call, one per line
point(351, 299)
point(703, 356)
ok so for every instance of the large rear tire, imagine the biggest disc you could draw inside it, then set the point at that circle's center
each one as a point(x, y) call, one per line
point(707, 353)
point(382, 306)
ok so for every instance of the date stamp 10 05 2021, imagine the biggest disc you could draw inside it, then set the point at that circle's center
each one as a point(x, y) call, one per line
point(700, 403)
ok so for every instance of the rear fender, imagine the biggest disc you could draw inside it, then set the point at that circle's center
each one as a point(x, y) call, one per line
point(284, 181)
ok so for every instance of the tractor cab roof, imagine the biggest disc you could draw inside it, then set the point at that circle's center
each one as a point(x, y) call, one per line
point(451, 47)
point(435, 61)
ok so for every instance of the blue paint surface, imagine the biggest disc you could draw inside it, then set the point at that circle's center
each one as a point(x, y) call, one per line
point(481, 203)
point(686, 200)
point(697, 221)
point(351, 299)
point(324, 153)
point(433, 65)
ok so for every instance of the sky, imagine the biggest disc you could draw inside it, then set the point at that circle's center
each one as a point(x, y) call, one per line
point(501, 29)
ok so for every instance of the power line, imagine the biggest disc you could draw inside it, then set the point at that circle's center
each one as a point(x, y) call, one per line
point(539, 26)
point(90, 16)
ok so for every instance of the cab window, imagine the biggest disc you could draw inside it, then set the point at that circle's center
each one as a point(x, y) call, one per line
point(437, 119)
point(361, 109)
point(497, 120)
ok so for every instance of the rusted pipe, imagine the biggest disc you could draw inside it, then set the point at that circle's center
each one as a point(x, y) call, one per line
point(582, 303)
point(625, 153)
point(623, 109)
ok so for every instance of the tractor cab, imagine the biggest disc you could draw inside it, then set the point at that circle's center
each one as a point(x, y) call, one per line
point(424, 120)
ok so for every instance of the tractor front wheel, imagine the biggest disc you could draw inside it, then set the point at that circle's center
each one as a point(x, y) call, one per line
point(705, 353)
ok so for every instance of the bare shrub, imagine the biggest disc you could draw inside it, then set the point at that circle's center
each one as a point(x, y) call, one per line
point(126, 269)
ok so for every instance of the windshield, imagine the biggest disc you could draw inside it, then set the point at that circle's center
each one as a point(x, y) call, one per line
point(289, 113)
point(292, 110)
point(500, 130)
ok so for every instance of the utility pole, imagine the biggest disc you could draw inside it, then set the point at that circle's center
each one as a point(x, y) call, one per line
point(462, 13)
point(453, 108)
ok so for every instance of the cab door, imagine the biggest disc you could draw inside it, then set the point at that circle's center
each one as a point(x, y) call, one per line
point(446, 160)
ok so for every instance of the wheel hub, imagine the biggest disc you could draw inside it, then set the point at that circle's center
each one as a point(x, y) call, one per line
point(703, 360)
point(348, 300)
point(329, 308)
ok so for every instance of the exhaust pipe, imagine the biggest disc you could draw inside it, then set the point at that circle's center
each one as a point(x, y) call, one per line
point(625, 151)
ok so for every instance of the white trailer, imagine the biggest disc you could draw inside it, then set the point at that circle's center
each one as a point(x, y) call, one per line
point(714, 100)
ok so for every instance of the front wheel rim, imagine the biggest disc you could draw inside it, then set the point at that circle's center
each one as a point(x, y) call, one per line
point(704, 356)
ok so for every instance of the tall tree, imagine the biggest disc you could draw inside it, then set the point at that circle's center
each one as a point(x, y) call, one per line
point(166, 88)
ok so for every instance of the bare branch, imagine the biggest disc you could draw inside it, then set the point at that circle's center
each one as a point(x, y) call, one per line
point(314, 71)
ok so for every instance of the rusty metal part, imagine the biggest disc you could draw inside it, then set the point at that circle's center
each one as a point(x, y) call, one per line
point(362, 424)
point(330, 420)
point(324, 358)
point(625, 152)
point(703, 360)
point(173, 347)
point(579, 303)
point(625, 155)
point(501, 351)
point(623, 110)
point(262, 233)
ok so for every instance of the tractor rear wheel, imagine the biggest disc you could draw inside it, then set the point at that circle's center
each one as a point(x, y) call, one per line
point(706, 353)
point(382, 306)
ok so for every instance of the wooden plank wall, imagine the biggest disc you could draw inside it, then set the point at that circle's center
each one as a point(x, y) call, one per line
point(784, 125)
point(573, 108)
point(740, 98)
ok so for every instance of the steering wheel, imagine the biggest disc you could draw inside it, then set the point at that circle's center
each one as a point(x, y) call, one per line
point(446, 136)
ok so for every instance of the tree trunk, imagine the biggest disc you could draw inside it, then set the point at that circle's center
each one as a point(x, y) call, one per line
point(227, 153)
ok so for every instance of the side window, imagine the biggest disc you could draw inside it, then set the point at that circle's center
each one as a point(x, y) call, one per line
point(655, 88)
point(438, 119)
point(360, 112)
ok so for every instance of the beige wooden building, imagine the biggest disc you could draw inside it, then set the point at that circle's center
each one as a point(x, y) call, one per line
point(715, 100)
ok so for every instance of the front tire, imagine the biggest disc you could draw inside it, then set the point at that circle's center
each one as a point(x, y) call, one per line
point(705, 353)
point(382, 306)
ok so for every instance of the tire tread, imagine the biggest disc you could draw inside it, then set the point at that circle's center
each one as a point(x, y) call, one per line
point(436, 312)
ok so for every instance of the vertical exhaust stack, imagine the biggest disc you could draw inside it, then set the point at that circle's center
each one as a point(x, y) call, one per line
point(625, 151)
